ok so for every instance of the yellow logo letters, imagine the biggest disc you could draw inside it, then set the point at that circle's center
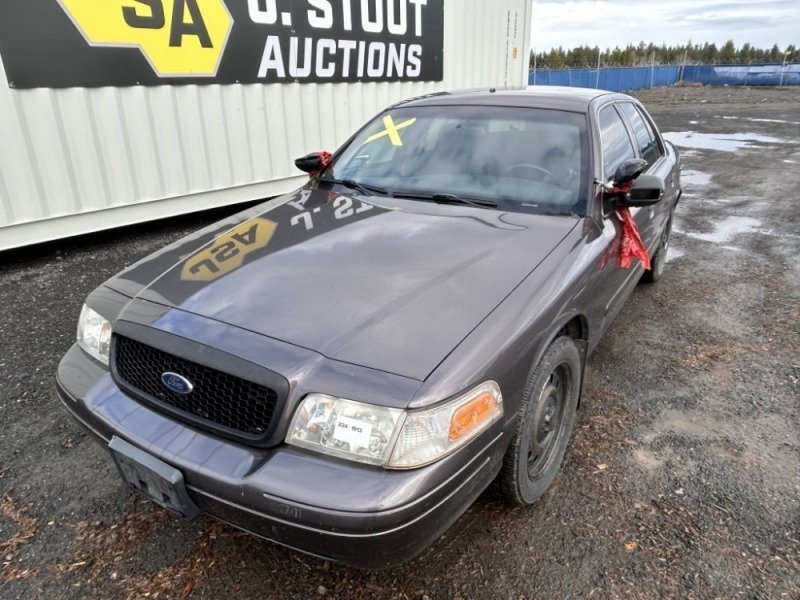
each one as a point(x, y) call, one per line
point(228, 250)
point(178, 37)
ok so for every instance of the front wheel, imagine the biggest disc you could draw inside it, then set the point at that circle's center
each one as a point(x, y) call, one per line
point(544, 424)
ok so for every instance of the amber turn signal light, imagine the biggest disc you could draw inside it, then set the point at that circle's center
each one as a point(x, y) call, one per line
point(472, 414)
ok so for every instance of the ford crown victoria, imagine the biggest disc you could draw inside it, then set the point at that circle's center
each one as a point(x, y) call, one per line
point(344, 369)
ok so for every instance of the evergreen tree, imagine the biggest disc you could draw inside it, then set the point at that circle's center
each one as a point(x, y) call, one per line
point(709, 53)
point(646, 54)
point(727, 55)
point(745, 53)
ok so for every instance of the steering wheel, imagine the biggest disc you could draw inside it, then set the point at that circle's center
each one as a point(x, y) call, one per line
point(553, 179)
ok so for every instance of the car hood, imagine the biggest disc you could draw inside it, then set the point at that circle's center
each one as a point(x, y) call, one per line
point(389, 284)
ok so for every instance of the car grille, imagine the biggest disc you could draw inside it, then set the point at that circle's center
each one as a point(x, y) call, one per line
point(218, 401)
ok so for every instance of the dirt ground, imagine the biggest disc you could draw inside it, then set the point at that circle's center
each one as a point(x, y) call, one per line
point(682, 478)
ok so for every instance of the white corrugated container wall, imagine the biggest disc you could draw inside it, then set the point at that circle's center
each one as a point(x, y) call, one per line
point(79, 160)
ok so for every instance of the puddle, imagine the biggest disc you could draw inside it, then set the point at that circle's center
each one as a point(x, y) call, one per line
point(673, 253)
point(726, 142)
point(754, 120)
point(695, 177)
point(725, 230)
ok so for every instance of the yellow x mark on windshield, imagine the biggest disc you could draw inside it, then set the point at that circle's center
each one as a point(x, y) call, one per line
point(391, 130)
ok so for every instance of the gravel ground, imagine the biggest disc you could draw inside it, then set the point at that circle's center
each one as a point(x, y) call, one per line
point(683, 474)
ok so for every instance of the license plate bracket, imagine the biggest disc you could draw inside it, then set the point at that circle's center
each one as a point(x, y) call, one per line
point(160, 482)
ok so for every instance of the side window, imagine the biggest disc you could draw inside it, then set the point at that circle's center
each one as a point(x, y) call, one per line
point(645, 137)
point(617, 146)
point(658, 146)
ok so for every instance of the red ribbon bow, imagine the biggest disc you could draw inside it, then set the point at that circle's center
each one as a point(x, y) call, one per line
point(325, 158)
point(631, 245)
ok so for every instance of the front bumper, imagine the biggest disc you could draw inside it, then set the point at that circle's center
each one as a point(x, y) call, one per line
point(361, 515)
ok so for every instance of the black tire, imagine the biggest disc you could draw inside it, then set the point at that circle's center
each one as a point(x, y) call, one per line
point(659, 259)
point(544, 424)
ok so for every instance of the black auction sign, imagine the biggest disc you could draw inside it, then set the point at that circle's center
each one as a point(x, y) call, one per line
point(85, 43)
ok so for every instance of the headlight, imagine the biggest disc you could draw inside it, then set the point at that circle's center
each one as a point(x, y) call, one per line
point(392, 437)
point(94, 334)
point(344, 428)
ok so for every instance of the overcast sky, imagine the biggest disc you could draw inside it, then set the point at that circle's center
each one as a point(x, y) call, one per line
point(620, 22)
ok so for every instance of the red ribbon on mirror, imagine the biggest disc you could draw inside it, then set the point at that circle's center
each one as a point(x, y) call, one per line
point(325, 158)
point(630, 245)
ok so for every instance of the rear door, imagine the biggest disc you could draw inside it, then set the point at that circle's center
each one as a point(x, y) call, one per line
point(650, 147)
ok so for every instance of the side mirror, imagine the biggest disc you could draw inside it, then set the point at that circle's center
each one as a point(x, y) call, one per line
point(646, 190)
point(311, 163)
point(629, 170)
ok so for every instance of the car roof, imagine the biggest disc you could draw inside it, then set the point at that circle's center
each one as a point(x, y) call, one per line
point(564, 98)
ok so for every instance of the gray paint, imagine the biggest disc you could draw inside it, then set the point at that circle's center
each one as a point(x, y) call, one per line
point(486, 307)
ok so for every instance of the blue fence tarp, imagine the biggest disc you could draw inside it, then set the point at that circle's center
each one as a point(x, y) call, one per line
point(743, 75)
point(636, 78)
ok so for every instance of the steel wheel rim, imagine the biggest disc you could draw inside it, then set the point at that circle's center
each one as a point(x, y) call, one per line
point(548, 420)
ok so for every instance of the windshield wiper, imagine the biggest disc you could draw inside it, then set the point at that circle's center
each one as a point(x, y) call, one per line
point(453, 199)
point(442, 198)
point(365, 188)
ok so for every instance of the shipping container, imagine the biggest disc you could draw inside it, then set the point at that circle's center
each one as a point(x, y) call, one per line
point(106, 127)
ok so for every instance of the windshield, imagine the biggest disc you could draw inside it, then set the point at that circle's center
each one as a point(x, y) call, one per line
point(525, 159)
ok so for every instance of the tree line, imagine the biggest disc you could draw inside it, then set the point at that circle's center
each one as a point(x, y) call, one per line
point(648, 54)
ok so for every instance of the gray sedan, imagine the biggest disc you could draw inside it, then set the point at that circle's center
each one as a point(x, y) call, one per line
point(344, 369)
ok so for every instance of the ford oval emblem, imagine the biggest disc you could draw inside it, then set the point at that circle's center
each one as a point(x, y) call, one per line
point(175, 383)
